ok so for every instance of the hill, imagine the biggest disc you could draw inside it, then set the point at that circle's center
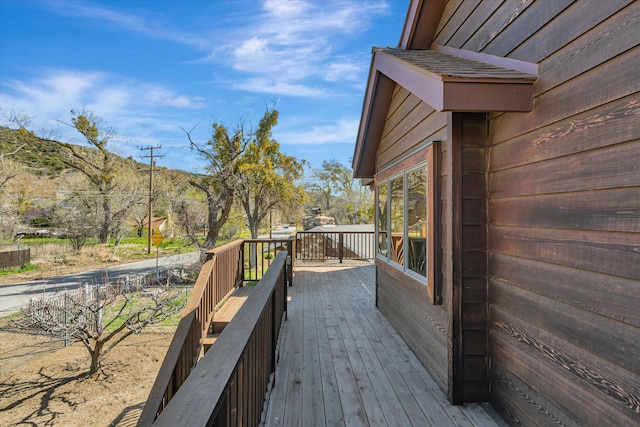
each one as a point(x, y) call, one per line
point(45, 157)
point(40, 155)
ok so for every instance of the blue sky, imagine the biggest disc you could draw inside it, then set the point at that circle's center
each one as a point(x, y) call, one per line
point(150, 67)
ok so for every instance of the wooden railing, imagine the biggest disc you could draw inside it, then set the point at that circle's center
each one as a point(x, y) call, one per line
point(339, 245)
point(229, 384)
point(258, 254)
point(245, 361)
point(219, 275)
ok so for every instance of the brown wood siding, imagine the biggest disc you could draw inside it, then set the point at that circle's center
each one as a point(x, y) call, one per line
point(569, 25)
point(411, 124)
point(563, 208)
point(422, 325)
point(469, 352)
point(564, 212)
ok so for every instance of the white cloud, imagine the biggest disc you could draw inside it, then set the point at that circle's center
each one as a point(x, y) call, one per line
point(344, 130)
point(57, 89)
point(292, 42)
point(151, 28)
point(251, 55)
point(288, 41)
point(156, 96)
point(51, 90)
point(280, 88)
point(137, 110)
point(285, 9)
point(343, 71)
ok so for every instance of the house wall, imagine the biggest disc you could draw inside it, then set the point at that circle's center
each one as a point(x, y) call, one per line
point(563, 209)
point(411, 125)
point(469, 354)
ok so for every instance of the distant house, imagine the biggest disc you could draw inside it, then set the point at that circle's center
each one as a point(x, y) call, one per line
point(164, 224)
point(503, 142)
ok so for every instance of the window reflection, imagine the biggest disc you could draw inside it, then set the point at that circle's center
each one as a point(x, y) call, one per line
point(383, 209)
point(417, 220)
point(397, 220)
point(406, 209)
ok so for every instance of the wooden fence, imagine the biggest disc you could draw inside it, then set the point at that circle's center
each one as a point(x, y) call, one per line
point(219, 275)
point(61, 310)
point(15, 258)
point(229, 384)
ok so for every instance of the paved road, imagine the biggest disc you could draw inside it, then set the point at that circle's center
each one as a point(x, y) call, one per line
point(12, 297)
point(280, 233)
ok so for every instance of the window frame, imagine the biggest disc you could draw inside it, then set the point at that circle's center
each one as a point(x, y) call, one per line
point(423, 158)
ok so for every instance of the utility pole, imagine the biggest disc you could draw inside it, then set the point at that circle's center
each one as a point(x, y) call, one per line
point(151, 165)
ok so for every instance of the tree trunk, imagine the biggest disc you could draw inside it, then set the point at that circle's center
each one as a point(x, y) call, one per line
point(254, 227)
point(105, 230)
point(96, 358)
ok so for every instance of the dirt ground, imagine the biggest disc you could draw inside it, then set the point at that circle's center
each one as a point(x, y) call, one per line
point(44, 383)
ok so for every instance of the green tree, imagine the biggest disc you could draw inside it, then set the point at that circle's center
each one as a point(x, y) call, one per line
point(339, 195)
point(221, 153)
point(267, 176)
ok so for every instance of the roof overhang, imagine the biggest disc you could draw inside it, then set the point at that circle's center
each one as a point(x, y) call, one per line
point(445, 82)
point(421, 23)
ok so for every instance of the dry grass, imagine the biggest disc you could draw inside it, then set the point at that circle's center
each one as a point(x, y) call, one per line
point(59, 258)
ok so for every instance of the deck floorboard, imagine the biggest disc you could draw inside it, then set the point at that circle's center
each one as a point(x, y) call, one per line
point(342, 364)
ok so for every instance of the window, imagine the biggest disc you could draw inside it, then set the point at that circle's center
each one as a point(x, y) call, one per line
point(405, 217)
point(397, 220)
point(383, 215)
point(417, 221)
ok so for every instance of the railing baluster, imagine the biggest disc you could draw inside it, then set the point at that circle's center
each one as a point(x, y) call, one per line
point(226, 268)
point(322, 245)
point(214, 282)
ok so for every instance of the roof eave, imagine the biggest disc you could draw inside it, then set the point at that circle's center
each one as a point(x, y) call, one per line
point(442, 92)
point(376, 103)
point(423, 17)
point(421, 23)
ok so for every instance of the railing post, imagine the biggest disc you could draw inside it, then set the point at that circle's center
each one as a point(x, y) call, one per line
point(341, 246)
point(291, 256)
point(241, 264)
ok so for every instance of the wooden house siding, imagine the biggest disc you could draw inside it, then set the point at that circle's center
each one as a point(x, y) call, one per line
point(563, 209)
point(539, 214)
point(410, 125)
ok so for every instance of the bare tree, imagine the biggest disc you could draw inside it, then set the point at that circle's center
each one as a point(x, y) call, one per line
point(100, 168)
point(100, 319)
point(191, 216)
point(221, 153)
point(9, 168)
point(18, 118)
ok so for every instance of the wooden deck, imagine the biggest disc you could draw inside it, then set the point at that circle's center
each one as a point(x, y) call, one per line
point(342, 364)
